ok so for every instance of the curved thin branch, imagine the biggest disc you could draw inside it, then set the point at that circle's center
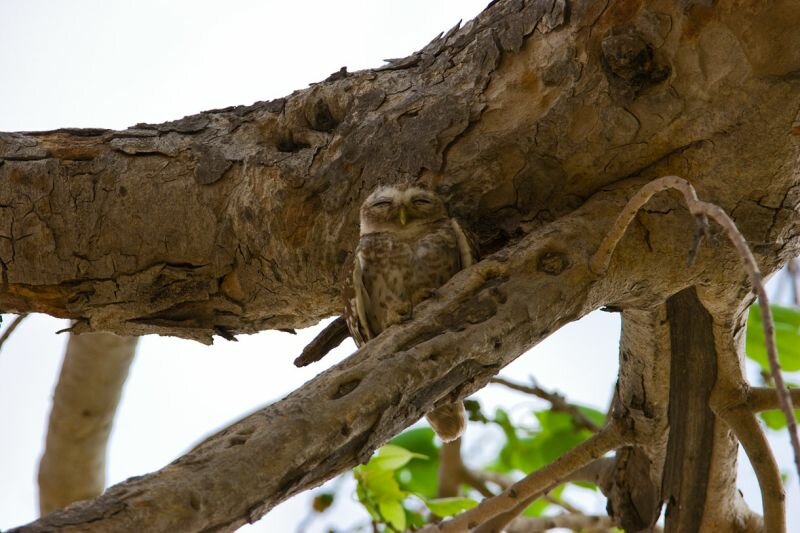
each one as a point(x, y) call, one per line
point(557, 402)
point(601, 258)
point(11, 327)
point(744, 425)
point(534, 484)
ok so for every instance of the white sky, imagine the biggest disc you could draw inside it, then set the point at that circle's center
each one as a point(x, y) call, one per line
point(112, 64)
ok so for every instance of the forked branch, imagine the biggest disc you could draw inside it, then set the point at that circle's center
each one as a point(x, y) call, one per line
point(600, 261)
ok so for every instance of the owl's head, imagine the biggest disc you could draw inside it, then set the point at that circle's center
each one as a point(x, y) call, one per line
point(400, 208)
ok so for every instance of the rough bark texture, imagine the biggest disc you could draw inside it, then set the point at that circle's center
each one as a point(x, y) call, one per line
point(693, 372)
point(73, 466)
point(536, 121)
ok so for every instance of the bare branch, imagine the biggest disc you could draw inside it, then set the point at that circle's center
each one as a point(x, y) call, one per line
point(572, 521)
point(535, 484)
point(11, 327)
point(768, 399)
point(557, 401)
point(600, 261)
point(73, 466)
point(744, 425)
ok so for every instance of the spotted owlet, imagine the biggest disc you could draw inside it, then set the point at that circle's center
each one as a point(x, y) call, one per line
point(409, 247)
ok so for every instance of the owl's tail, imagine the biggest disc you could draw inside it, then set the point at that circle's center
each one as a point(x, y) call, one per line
point(448, 421)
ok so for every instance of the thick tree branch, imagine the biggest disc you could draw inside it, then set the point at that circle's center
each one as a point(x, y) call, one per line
point(527, 120)
point(73, 466)
point(242, 219)
point(340, 417)
point(600, 261)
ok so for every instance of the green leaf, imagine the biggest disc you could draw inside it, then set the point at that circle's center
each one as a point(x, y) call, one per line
point(444, 507)
point(776, 419)
point(420, 476)
point(586, 485)
point(393, 513)
point(392, 457)
point(414, 519)
point(537, 508)
point(787, 337)
point(377, 484)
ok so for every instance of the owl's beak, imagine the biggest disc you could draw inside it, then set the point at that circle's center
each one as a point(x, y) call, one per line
point(403, 218)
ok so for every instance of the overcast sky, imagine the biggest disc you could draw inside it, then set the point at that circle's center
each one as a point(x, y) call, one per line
point(115, 63)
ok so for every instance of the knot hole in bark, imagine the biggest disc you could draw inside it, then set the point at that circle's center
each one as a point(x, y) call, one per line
point(319, 116)
point(346, 388)
point(631, 65)
point(287, 143)
point(552, 262)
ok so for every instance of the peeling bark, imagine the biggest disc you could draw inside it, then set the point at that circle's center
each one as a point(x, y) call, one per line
point(536, 122)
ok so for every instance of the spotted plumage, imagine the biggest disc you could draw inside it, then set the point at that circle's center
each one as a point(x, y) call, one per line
point(409, 247)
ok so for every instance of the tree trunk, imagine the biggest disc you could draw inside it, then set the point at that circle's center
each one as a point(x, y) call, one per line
point(536, 121)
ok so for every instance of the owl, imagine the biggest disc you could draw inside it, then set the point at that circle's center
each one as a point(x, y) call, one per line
point(408, 247)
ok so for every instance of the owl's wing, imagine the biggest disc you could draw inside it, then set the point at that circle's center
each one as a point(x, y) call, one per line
point(356, 306)
point(466, 245)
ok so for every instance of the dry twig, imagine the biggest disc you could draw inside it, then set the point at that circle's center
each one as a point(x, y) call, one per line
point(600, 261)
point(557, 401)
point(11, 327)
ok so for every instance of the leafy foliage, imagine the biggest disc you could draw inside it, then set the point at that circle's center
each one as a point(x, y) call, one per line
point(787, 339)
point(398, 486)
point(397, 478)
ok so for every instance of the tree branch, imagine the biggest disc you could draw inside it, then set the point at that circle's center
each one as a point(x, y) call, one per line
point(572, 521)
point(744, 425)
point(600, 261)
point(451, 469)
point(328, 339)
point(768, 399)
point(11, 327)
point(533, 485)
point(73, 466)
point(336, 420)
point(557, 402)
